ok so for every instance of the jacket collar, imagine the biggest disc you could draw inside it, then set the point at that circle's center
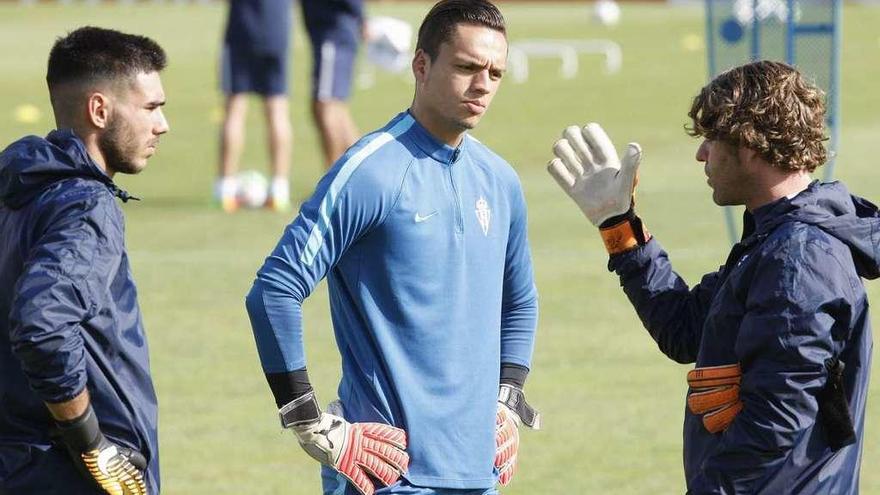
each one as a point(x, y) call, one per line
point(431, 146)
point(72, 145)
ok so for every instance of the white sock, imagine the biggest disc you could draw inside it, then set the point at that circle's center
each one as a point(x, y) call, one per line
point(280, 188)
point(226, 187)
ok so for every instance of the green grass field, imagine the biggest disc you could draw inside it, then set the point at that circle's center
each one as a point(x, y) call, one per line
point(613, 403)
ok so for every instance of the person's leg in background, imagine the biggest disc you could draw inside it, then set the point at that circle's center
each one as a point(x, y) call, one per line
point(280, 142)
point(335, 33)
point(232, 135)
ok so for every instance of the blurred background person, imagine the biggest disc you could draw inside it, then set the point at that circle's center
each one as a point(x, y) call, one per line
point(255, 55)
point(335, 30)
point(254, 60)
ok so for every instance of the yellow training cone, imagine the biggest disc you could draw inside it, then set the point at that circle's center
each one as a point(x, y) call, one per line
point(27, 114)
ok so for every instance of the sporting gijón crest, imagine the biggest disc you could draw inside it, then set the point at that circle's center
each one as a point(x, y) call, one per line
point(484, 214)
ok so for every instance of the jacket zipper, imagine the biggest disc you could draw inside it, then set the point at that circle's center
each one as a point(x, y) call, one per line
point(459, 224)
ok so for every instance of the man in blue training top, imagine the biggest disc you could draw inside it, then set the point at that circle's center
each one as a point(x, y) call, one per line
point(421, 231)
point(255, 56)
point(78, 412)
point(780, 335)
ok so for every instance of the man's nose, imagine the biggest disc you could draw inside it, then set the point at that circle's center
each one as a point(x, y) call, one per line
point(161, 123)
point(482, 82)
point(703, 151)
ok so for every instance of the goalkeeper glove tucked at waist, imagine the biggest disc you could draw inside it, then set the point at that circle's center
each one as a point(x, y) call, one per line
point(355, 450)
point(117, 470)
point(512, 411)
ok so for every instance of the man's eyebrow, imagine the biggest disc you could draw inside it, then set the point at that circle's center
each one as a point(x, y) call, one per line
point(471, 60)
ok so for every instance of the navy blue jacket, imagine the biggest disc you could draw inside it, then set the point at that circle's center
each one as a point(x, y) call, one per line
point(790, 297)
point(69, 317)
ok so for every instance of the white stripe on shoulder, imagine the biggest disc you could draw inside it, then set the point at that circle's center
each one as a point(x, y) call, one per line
point(328, 203)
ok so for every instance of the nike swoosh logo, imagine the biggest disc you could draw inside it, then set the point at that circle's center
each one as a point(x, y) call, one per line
point(419, 219)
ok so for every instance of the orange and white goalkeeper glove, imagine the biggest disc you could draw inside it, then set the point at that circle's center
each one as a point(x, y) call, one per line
point(356, 450)
point(512, 411)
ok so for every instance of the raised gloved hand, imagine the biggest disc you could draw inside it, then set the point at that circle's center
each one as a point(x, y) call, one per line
point(588, 169)
point(512, 411)
point(354, 449)
point(116, 469)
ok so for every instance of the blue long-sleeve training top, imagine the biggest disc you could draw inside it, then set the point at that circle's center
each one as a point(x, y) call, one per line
point(431, 287)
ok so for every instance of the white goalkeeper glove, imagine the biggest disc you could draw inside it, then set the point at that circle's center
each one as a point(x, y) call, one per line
point(355, 450)
point(588, 169)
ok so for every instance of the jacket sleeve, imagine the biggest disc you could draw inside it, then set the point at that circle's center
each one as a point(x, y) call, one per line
point(671, 312)
point(519, 305)
point(54, 295)
point(347, 203)
point(797, 300)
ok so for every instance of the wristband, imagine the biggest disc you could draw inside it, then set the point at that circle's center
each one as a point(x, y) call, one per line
point(83, 433)
point(515, 400)
point(514, 374)
point(623, 233)
point(288, 386)
point(301, 411)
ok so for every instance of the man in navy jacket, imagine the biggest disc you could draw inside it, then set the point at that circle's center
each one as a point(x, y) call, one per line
point(780, 335)
point(78, 411)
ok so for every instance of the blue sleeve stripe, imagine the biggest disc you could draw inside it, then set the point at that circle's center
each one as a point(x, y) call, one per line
point(328, 203)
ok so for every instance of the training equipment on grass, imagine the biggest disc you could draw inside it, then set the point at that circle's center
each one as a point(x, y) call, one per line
point(606, 12)
point(252, 189)
point(802, 33)
point(389, 43)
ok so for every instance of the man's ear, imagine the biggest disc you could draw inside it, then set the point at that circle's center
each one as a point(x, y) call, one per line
point(421, 63)
point(98, 110)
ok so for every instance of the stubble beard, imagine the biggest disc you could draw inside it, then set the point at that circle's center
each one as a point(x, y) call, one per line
point(119, 148)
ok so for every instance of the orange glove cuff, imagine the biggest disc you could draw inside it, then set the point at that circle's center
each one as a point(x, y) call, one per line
point(625, 235)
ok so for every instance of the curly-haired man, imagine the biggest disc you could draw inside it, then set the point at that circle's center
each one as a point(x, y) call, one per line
point(780, 334)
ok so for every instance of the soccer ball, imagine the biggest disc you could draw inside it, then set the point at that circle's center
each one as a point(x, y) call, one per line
point(606, 12)
point(389, 43)
point(252, 190)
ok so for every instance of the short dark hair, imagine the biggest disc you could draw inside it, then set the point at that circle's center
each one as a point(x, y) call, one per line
point(768, 107)
point(90, 54)
point(438, 25)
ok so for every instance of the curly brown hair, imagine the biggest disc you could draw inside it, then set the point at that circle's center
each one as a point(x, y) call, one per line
point(767, 107)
